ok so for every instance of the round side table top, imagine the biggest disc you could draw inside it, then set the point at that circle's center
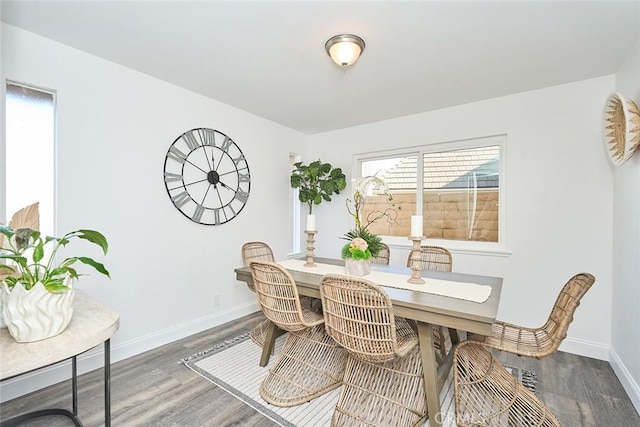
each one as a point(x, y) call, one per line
point(92, 323)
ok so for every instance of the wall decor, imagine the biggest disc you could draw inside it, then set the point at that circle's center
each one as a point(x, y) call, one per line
point(207, 176)
point(620, 128)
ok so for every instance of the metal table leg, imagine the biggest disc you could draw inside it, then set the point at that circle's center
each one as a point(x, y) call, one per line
point(73, 415)
point(107, 383)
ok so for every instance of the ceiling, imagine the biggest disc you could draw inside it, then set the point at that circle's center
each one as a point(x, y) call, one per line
point(268, 58)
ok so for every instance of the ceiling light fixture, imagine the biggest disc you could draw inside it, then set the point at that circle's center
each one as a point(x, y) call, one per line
point(344, 49)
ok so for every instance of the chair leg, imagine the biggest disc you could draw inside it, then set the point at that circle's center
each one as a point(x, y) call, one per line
point(487, 394)
point(310, 364)
point(382, 394)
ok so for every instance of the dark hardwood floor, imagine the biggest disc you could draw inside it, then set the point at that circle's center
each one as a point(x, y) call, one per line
point(152, 389)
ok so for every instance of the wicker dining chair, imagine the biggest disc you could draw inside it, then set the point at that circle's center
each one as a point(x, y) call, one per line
point(257, 251)
point(435, 258)
point(383, 256)
point(383, 383)
point(310, 363)
point(486, 394)
point(545, 340)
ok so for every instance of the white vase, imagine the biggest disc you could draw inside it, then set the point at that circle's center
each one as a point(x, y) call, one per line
point(36, 314)
point(357, 267)
point(2, 297)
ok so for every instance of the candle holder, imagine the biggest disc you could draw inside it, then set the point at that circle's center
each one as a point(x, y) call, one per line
point(416, 259)
point(310, 240)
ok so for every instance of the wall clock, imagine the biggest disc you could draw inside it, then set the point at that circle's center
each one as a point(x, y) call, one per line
point(207, 176)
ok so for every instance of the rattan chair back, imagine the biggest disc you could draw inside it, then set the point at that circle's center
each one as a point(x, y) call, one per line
point(278, 297)
point(565, 307)
point(256, 251)
point(383, 382)
point(358, 315)
point(382, 257)
point(545, 340)
point(434, 258)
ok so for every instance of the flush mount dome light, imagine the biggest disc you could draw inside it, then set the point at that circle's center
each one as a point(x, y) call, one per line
point(344, 49)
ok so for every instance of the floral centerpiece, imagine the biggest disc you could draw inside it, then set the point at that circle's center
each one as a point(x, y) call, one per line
point(363, 244)
point(357, 249)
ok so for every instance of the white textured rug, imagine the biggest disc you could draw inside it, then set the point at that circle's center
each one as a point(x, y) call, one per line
point(233, 366)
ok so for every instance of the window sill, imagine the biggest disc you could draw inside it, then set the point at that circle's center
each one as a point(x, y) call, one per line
point(454, 246)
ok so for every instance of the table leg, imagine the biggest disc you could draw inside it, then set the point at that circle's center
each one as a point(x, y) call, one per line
point(269, 344)
point(72, 415)
point(74, 385)
point(107, 383)
point(455, 338)
point(430, 372)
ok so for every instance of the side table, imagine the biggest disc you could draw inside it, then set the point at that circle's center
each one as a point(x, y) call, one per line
point(92, 323)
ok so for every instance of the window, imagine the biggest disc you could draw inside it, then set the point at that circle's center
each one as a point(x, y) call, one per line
point(458, 191)
point(29, 152)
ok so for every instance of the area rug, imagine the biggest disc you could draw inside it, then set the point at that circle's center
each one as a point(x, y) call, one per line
point(233, 366)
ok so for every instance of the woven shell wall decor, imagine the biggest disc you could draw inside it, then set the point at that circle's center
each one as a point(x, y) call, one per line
point(620, 128)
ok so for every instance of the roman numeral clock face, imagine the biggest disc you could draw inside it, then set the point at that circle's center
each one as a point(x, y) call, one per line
point(207, 176)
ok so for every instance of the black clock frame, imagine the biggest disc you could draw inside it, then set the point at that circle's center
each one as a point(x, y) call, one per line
point(207, 176)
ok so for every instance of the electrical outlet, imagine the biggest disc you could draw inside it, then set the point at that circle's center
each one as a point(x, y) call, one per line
point(216, 300)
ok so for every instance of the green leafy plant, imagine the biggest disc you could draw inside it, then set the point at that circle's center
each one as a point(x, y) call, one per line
point(24, 249)
point(316, 182)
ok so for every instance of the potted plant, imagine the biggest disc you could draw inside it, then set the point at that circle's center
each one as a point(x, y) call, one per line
point(362, 243)
point(316, 182)
point(37, 290)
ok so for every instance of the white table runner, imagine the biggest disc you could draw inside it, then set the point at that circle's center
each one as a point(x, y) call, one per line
point(460, 290)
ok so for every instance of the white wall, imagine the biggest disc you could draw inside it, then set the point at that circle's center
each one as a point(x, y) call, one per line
point(114, 128)
point(115, 125)
point(625, 342)
point(559, 193)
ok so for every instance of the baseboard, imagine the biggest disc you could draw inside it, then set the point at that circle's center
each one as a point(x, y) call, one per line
point(628, 382)
point(585, 348)
point(94, 359)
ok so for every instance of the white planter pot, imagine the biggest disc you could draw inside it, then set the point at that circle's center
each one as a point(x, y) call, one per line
point(2, 298)
point(36, 314)
point(357, 267)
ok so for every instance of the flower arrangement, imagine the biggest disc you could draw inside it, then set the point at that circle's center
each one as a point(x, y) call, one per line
point(364, 244)
point(364, 187)
point(357, 249)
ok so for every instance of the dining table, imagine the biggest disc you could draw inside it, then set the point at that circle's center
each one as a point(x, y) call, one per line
point(424, 304)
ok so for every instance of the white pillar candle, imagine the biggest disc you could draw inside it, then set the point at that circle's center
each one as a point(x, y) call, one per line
point(416, 225)
point(311, 223)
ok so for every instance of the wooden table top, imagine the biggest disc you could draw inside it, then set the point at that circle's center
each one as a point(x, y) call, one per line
point(421, 306)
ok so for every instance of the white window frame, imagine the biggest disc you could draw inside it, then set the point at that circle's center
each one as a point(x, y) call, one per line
point(498, 248)
point(295, 248)
point(3, 153)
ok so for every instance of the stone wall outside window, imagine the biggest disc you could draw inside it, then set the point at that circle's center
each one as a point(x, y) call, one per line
point(445, 212)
